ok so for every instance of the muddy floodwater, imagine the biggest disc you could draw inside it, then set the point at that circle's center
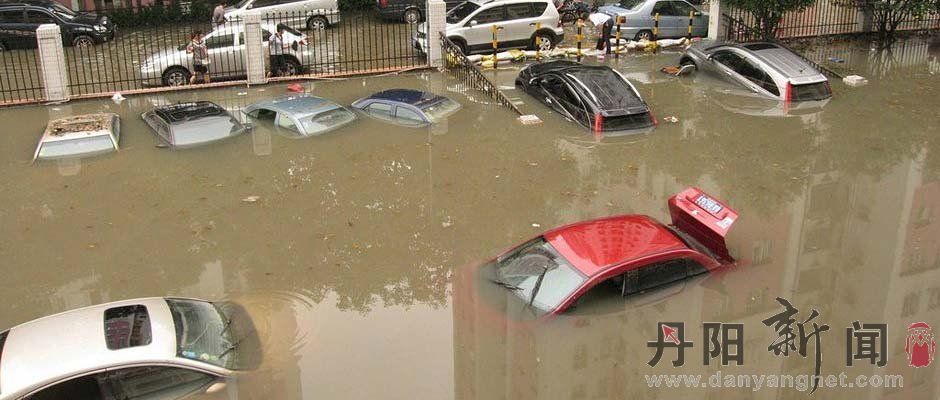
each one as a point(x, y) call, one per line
point(354, 252)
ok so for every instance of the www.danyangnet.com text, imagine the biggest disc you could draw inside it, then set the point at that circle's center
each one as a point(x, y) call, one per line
point(758, 382)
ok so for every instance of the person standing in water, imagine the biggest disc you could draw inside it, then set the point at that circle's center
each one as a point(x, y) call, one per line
point(197, 47)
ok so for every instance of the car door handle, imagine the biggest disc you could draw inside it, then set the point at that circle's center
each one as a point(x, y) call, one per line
point(532, 24)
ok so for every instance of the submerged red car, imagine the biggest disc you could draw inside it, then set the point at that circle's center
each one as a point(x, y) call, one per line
point(632, 253)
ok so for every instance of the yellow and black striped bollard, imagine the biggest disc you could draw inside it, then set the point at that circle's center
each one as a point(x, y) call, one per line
point(691, 22)
point(620, 19)
point(495, 45)
point(538, 42)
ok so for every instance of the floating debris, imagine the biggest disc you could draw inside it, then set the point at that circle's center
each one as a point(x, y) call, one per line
point(251, 199)
point(671, 119)
point(534, 225)
point(529, 119)
point(855, 81)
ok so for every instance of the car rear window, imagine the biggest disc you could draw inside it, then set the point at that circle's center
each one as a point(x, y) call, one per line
point(812, 91)
point(627, 122)
point(127, 326)
point(609, 90)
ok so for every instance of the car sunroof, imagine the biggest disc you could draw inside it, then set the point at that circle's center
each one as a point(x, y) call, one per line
point(127, 326)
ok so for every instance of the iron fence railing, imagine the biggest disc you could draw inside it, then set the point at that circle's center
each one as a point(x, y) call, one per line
point(822, 18)
point(458, 66)
point(318, 43)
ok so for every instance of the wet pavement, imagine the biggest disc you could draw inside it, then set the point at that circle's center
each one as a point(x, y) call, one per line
point(356, 262)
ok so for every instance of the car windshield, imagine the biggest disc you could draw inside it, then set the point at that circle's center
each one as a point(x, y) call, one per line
point(438, 111)
point(242, 4)
point(520, 270)
point(630, 4)
point(63, 11)
point(327, 120)
point(204, 130)
point(462, 11)
point(203, 332)
point(76, 147)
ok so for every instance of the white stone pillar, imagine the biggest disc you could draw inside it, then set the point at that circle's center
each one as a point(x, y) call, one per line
point(55, 79)
point(436, 23)
point(254, 49)
point(716, 22)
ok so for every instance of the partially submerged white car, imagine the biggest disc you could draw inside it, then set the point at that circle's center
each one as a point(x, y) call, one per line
point(165, 348)
point(79, 136)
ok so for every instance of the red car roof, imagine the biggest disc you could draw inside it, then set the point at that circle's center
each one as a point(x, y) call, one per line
point(592, 245)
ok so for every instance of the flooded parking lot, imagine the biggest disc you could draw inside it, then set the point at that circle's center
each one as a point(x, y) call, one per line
point(354, 252)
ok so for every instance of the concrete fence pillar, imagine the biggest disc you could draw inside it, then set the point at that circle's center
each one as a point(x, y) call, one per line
point(436, 23)
point(254, 49)
point(55, 79)
point(716, 23)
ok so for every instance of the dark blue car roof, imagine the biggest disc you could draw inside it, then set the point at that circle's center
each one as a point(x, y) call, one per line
point(416, 98)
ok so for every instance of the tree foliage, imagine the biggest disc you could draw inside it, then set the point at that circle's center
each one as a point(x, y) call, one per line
point(887, 15)
point(767, 13)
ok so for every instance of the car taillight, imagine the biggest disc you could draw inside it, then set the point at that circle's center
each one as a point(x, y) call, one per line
point(383, 3)
point(653, 118)
point(598, 124)
point(789, 95)
point(829, 88)
point(559, 24)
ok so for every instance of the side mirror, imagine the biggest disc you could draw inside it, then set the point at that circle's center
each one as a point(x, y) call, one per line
point(473, 23)
point(249, 7)
point(216, 387)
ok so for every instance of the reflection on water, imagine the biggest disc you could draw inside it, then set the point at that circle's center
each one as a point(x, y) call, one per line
point(350, 260)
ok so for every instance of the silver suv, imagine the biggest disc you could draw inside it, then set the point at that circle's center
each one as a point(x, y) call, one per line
point(764, 68)
point(470, 25)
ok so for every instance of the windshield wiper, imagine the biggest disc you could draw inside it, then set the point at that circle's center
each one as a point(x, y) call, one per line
point(233, 346)
point(538, 285)
point(506, 285)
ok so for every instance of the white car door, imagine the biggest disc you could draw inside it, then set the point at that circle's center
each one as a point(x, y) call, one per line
point(479, 28)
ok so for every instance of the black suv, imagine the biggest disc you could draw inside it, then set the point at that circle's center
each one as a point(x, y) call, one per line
point(409, 11)
point(20, 19)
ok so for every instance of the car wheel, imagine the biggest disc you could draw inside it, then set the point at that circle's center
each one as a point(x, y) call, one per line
point(644, 35)
point(317, 23)
point(543, 41)
point(462, 46)
point(687, 61)
point(3, 47)
point(568, 17)
point(83, 41)
point(411, 16)
point(176, 76)
point(290, 67)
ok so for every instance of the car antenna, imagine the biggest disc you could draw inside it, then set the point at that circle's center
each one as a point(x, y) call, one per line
point(538, 284)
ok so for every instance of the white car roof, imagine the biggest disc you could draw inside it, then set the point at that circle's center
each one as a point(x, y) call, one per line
point(79, 126)
point(72, 343)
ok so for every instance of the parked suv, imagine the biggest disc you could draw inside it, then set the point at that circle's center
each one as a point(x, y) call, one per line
point(19, 21)
point(764, 68)
point(409, 11)
point(298, 14)
point(470, 25)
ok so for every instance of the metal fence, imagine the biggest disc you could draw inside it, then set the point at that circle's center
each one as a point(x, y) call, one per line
point(824, 17)
point(320, 43)
point(457, 65)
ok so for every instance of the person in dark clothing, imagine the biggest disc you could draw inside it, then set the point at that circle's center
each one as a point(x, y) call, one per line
point(603, 37)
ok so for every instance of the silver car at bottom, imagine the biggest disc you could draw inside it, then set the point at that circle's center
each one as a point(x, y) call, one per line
point(167, 348)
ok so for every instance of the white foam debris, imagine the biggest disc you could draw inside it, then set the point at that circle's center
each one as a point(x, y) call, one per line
point(855, 81)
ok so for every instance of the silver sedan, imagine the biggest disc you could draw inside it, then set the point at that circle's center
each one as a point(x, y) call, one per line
point(226, 47)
